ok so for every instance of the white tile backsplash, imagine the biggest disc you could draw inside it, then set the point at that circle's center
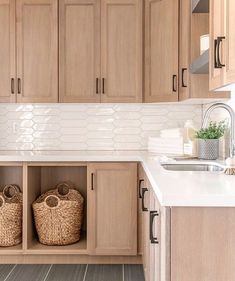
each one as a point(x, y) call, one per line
point(88, 126)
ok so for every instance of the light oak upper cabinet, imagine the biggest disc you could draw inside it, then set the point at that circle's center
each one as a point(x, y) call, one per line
point(161, 50)
point(7, 51)
point(121, 47)
point(79, 59)
point(37, 50)
point(112, 73)
point(112, 209)
point(222, 58)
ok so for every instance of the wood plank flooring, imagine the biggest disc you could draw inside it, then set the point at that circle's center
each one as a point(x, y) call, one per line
point(71, 273)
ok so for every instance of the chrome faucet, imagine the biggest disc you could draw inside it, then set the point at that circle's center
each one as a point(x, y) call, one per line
point(232, 118)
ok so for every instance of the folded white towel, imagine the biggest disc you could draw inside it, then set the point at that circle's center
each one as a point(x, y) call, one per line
point(171, 133)
point(166, 145)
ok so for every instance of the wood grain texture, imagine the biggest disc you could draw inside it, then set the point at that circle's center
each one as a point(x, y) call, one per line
point(229, 44)
point(67, 272)
point(67, 259)
point(79, 57)
point(203, 244)
point(37, 50)
point(104, 273)
point(7, 50)
point(121, 50)
point(184, 49)
point(161, 50)
point(216, 29)
point(112, 209)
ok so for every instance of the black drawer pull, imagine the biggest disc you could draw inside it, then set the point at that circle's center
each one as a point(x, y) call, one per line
point(144, 209)
point(92, 181)
point(139, 187)
point(12, 86)
point(97, 86)
point(174, 83)
point(183, 84)
point(152, 215)
point(19, 85)
point(219, 41)
point(215, 53)
point(103, 90)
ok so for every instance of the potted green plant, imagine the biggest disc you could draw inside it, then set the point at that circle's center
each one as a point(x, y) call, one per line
point(208, 140)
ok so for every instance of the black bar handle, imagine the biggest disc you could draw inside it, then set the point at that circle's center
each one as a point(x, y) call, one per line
point(215, 54)
point(183, 84)
point(12, 86)
point(139, 187)
point(219, 41)
point(19, 85)
point(144, 209)
point(97, 85)
point(92, 181)
point(103, 91)
point(174, 83)
point(152, 215)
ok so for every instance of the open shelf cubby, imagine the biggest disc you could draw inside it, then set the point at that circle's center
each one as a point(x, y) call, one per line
point(42, 178)
point(11, 174)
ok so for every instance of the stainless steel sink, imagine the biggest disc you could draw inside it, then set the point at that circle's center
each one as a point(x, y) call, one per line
point(192, 167)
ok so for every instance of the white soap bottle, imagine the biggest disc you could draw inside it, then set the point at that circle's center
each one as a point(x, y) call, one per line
point(190, 144)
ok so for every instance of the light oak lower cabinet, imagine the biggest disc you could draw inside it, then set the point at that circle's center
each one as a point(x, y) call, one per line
point(112, 209)
point(155, 235)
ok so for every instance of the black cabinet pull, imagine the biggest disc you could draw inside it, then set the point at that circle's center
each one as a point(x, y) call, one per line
point(12, 86)
point(183, 84)
point(174, 83)
point(152, 215)
point(19, 85)
point(219, 41)
point(144, 209)
point(103, 91)
point(215, 53)
point(139, 187)
point(97, 85)
point(92, 181)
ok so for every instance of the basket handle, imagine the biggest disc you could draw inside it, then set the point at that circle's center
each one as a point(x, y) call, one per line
point(63, 188)
point(52, 201)
point(7, 188)
point(2, 201)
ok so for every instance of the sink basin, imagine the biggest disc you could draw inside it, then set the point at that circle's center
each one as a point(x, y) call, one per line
point(193, 167)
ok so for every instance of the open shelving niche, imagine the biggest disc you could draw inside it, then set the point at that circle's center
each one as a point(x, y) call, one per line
point(41, 178)
point(11, 173)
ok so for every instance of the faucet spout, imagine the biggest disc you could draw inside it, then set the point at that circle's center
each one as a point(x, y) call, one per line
point(232, 118)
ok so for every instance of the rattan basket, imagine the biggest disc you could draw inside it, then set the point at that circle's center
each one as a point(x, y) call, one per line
point(10, 216)
point(58, 216)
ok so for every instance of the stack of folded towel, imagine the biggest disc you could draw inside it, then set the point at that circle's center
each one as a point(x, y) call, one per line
point(171, 141)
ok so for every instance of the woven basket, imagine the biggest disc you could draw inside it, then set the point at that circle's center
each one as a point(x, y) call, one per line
point(10, 216)
point(58, 216)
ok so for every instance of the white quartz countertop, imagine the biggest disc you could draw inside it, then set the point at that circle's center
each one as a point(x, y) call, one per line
point(173, 188)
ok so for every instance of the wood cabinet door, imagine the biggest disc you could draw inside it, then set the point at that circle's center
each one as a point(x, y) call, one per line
point(161, 50)
point(184, 49)
point(79, 57)
point(146, 241)
point(7, 51)
point(112, 209)
point(216, 30)
point(121, 50)
point(37, 50)
point(229, 43)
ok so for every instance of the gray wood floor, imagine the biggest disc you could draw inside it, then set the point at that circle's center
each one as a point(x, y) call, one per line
point(71, 273)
